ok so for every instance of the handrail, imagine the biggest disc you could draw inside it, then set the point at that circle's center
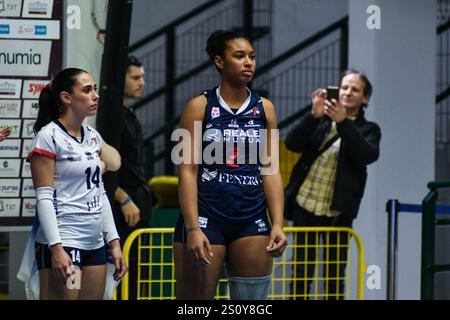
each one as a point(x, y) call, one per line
point(443, 95)
point(438, 184)
point(172, 24)
point(428, 264)
point(443, 27)
point(150, 136)
point(302, 45)
point(292, 118)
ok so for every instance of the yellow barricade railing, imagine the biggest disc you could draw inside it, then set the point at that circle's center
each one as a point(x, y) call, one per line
point(156, 272)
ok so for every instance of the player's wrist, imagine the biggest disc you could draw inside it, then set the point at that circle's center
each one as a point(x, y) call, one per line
point(193, 228)
point(126, 201)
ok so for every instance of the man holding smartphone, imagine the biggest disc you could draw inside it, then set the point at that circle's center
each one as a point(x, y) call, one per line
point(328, 181)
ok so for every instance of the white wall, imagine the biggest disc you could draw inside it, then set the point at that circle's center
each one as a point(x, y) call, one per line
point(81, 48)
point(400, 60)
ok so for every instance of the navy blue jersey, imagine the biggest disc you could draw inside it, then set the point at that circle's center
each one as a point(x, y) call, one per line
point(231, 186)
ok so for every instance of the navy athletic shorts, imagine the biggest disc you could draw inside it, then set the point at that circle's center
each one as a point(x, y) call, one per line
point(224, 232)
point(80, 258)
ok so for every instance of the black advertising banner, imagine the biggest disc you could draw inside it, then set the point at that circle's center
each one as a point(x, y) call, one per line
point(30, 53)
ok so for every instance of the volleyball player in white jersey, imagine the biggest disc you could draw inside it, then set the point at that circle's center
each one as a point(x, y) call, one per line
point(72, 207)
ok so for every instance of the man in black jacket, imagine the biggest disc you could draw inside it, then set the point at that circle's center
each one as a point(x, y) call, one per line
point(327, 183)
point(133, 203)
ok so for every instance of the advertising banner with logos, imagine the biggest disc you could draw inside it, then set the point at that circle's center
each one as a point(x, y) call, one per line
point(30, 54)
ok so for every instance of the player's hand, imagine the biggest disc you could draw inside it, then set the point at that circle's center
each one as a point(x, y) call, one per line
point(131, 213)
point(199, 248)
point(318, 103)
point(277, 242)
point(62, 266)
point(118, 259)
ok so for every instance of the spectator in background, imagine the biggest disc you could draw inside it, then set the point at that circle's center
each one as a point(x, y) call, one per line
point(327, 183)
point(133, 197)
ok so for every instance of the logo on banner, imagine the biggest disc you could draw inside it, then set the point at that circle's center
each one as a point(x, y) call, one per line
point(9, 168)
point(26, 149)
point(28, 188)
point(26, 170)
point(30, 109)
point(4, 29)
point(9, 207)
point(10, 8)
point(10, 148)
point(28, 207)
point(9, 88)
point(9, 108)
point(40, 30)
point(25, 58)
point(32, 89)
point(37, 8)
point(28, 128)
point(9, 188)
point(13, 124)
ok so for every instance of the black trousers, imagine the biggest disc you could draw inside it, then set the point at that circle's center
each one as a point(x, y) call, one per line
point(335, 250)
point(142, 197)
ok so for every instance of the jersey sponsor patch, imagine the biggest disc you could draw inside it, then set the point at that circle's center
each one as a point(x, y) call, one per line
point(233, 124)
point(262, 226)
point(93, 142)
point(215, 112)
point(252, 124)
point(253, 113)
point(213, 135)
point(74, 158)
point(209, 175)
point(202, 222)
point(68, 145)
point(239, 179)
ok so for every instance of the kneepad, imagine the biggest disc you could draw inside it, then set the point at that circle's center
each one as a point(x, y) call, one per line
point(249, 288)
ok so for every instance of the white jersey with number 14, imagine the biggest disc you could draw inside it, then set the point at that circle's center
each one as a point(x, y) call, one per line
point(77, 182)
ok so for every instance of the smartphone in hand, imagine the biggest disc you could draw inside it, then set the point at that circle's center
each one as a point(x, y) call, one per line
point(332, 93)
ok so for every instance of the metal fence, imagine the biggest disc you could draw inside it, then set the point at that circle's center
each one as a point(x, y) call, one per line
point(156, 273)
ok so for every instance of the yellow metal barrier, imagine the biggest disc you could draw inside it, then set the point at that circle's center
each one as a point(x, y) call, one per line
point(156, 272)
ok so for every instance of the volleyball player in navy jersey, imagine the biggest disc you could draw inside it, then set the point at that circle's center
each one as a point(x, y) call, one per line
point(224, 203)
